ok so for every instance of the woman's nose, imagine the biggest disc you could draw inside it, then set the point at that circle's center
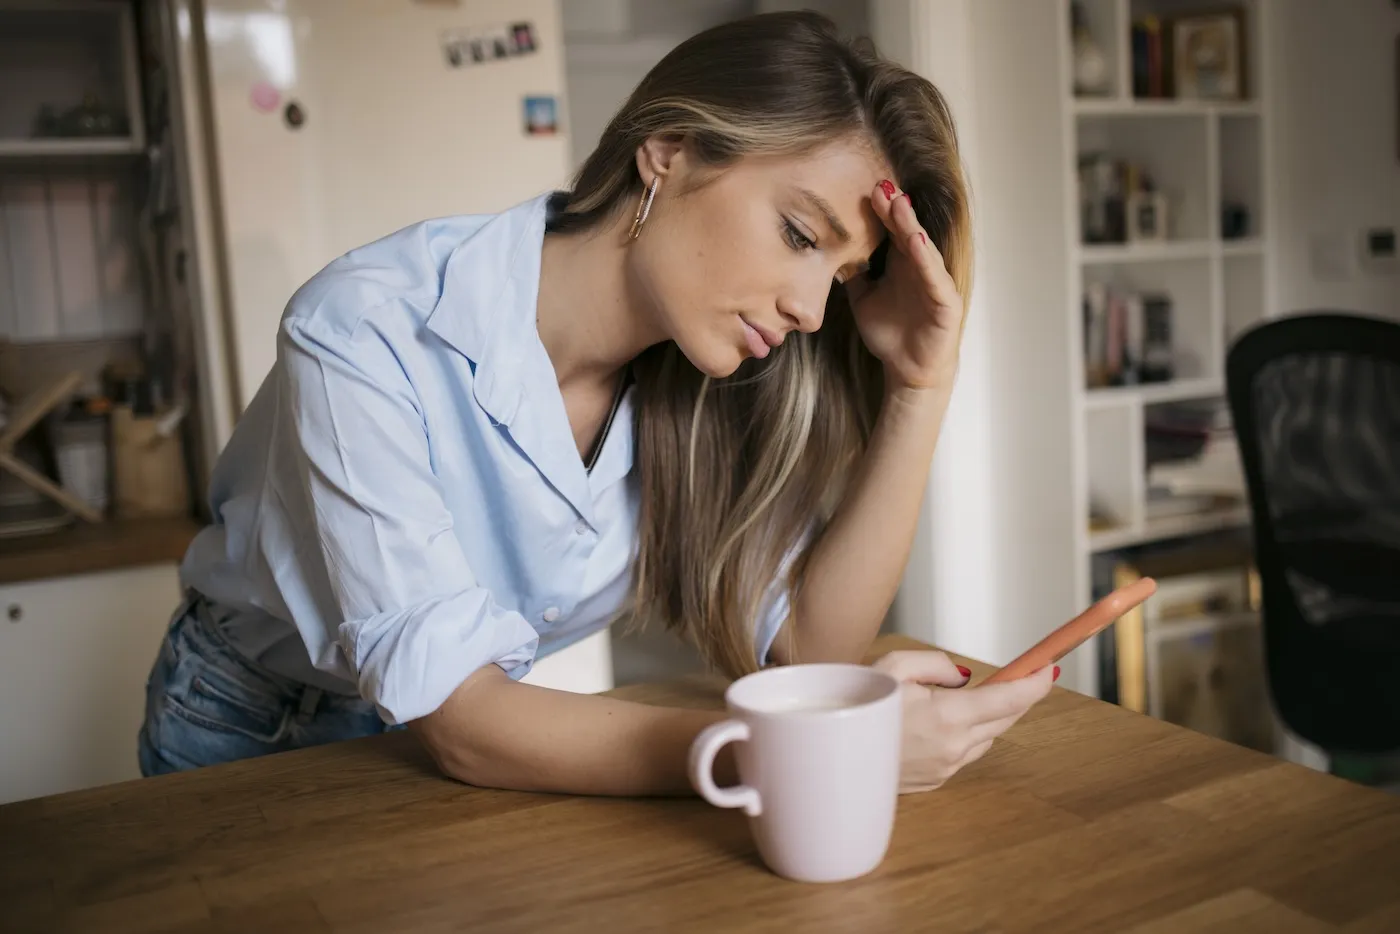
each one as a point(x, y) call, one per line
point(803, 314)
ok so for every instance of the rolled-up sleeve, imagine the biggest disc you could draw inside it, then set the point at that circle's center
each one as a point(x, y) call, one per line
point(403, 605)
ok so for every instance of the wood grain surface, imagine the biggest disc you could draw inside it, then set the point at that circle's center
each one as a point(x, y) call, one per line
point(1083, 818)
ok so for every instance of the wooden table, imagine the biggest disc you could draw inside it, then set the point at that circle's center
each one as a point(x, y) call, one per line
point(1082, 818)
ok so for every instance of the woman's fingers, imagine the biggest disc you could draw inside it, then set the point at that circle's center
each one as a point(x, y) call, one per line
point(989, 703)
point(923, 667)
point(896, 212)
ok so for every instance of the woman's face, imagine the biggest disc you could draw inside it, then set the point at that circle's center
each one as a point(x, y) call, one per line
point(731, 266)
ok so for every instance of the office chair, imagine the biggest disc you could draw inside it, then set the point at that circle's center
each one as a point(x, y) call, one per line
point(1315, 400)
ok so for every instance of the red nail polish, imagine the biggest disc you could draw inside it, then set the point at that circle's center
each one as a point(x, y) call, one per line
point(1056, 675)
point(887, 187)
point(965, 672)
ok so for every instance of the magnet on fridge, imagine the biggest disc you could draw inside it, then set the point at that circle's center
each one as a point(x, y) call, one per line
point(265, 97)
point(500, 43)
point(541, 115)
point(523, 35)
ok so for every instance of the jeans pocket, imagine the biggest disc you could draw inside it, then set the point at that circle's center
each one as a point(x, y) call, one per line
point(224, 702)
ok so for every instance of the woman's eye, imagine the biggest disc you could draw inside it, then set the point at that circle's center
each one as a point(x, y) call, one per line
point(796, 238)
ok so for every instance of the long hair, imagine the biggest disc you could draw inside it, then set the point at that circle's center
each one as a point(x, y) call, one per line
point(738, 475)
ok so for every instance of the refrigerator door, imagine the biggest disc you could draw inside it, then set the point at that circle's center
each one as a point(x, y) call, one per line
point(331, 123)
point(336, 122)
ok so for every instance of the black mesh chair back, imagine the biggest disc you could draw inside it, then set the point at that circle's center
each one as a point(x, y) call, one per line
point(1316, 405)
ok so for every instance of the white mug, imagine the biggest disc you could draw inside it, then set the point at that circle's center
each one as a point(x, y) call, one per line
point(818, 756)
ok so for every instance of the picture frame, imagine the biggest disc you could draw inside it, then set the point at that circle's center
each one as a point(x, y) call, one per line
point(482, 44)
point(1208, 56)
point(541, 112)
point(1147, 219)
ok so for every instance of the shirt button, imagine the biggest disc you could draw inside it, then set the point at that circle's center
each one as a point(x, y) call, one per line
point(551, 614)
point(581, 528)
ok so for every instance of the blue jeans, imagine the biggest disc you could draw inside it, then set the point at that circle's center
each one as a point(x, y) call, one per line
point(206, 703)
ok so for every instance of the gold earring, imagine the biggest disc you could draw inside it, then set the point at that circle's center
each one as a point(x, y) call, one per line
point(644, 208)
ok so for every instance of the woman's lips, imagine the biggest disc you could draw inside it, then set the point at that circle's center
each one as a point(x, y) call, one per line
point(757, 345)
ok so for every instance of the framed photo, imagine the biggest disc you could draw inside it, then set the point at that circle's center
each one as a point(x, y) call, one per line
point(1146, 220)
point(523, 36)
point(477, 45)
point(1208, 56)
point(541, 115)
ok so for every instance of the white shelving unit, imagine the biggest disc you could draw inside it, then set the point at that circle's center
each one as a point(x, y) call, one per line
point(70, 265)
point(56, 54)
point(59, 148)
point(1201, 154)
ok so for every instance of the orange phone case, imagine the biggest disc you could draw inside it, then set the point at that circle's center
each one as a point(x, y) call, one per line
point(1073, 633)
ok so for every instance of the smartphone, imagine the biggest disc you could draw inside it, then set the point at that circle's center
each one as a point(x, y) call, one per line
point(1073, 633)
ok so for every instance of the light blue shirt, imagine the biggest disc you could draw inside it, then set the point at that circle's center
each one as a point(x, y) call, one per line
point(403, 501)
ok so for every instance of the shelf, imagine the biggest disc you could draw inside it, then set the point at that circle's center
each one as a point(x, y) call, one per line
point(1177, 627)
point(1174, 527)
point(1131, 107)
point(1152, 393)
point(1101, 253)
point(86, 548)
point(1247, 246)
point(47, 148)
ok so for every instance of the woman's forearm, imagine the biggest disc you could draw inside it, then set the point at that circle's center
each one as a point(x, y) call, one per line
point(497, 733)
point(858, 562)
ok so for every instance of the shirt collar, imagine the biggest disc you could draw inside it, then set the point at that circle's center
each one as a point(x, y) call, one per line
point(486, 311)
point(486, 308)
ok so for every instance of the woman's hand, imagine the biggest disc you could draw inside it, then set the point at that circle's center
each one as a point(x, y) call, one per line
point(945, 729)
point(911, 318)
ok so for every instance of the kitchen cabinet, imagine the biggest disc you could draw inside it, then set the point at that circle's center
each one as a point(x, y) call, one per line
point(74, 655)
point(586, 667)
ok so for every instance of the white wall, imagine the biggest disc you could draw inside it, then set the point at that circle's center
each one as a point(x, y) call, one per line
point(993, 566)
point(599, 73)
point(1334, 135)
point(1022, 160)
point(610, 45)
point(850, 16)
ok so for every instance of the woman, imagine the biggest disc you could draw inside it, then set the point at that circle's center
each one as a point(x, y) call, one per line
point(701, 389)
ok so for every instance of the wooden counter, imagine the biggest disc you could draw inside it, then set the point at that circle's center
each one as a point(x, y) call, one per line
point(85, 548)
point(1083, 818)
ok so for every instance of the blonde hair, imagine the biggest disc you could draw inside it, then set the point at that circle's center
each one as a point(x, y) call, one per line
point(736, 474)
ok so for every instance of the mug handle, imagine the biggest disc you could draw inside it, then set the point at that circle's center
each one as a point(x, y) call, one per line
point(702, 766)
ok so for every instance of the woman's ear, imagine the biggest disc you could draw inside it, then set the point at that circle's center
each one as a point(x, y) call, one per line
point(660, 156)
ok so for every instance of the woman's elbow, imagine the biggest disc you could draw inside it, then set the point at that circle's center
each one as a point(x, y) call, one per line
point(447, 734)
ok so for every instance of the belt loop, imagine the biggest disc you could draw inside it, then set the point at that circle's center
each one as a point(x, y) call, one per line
point(310, 698)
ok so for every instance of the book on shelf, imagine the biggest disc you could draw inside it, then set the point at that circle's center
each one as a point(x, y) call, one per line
point(1193, 459)
point(1151, 64)
point(1127, 336)
point(1195, 55)
point(1103, 194)
point(1119, 202)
